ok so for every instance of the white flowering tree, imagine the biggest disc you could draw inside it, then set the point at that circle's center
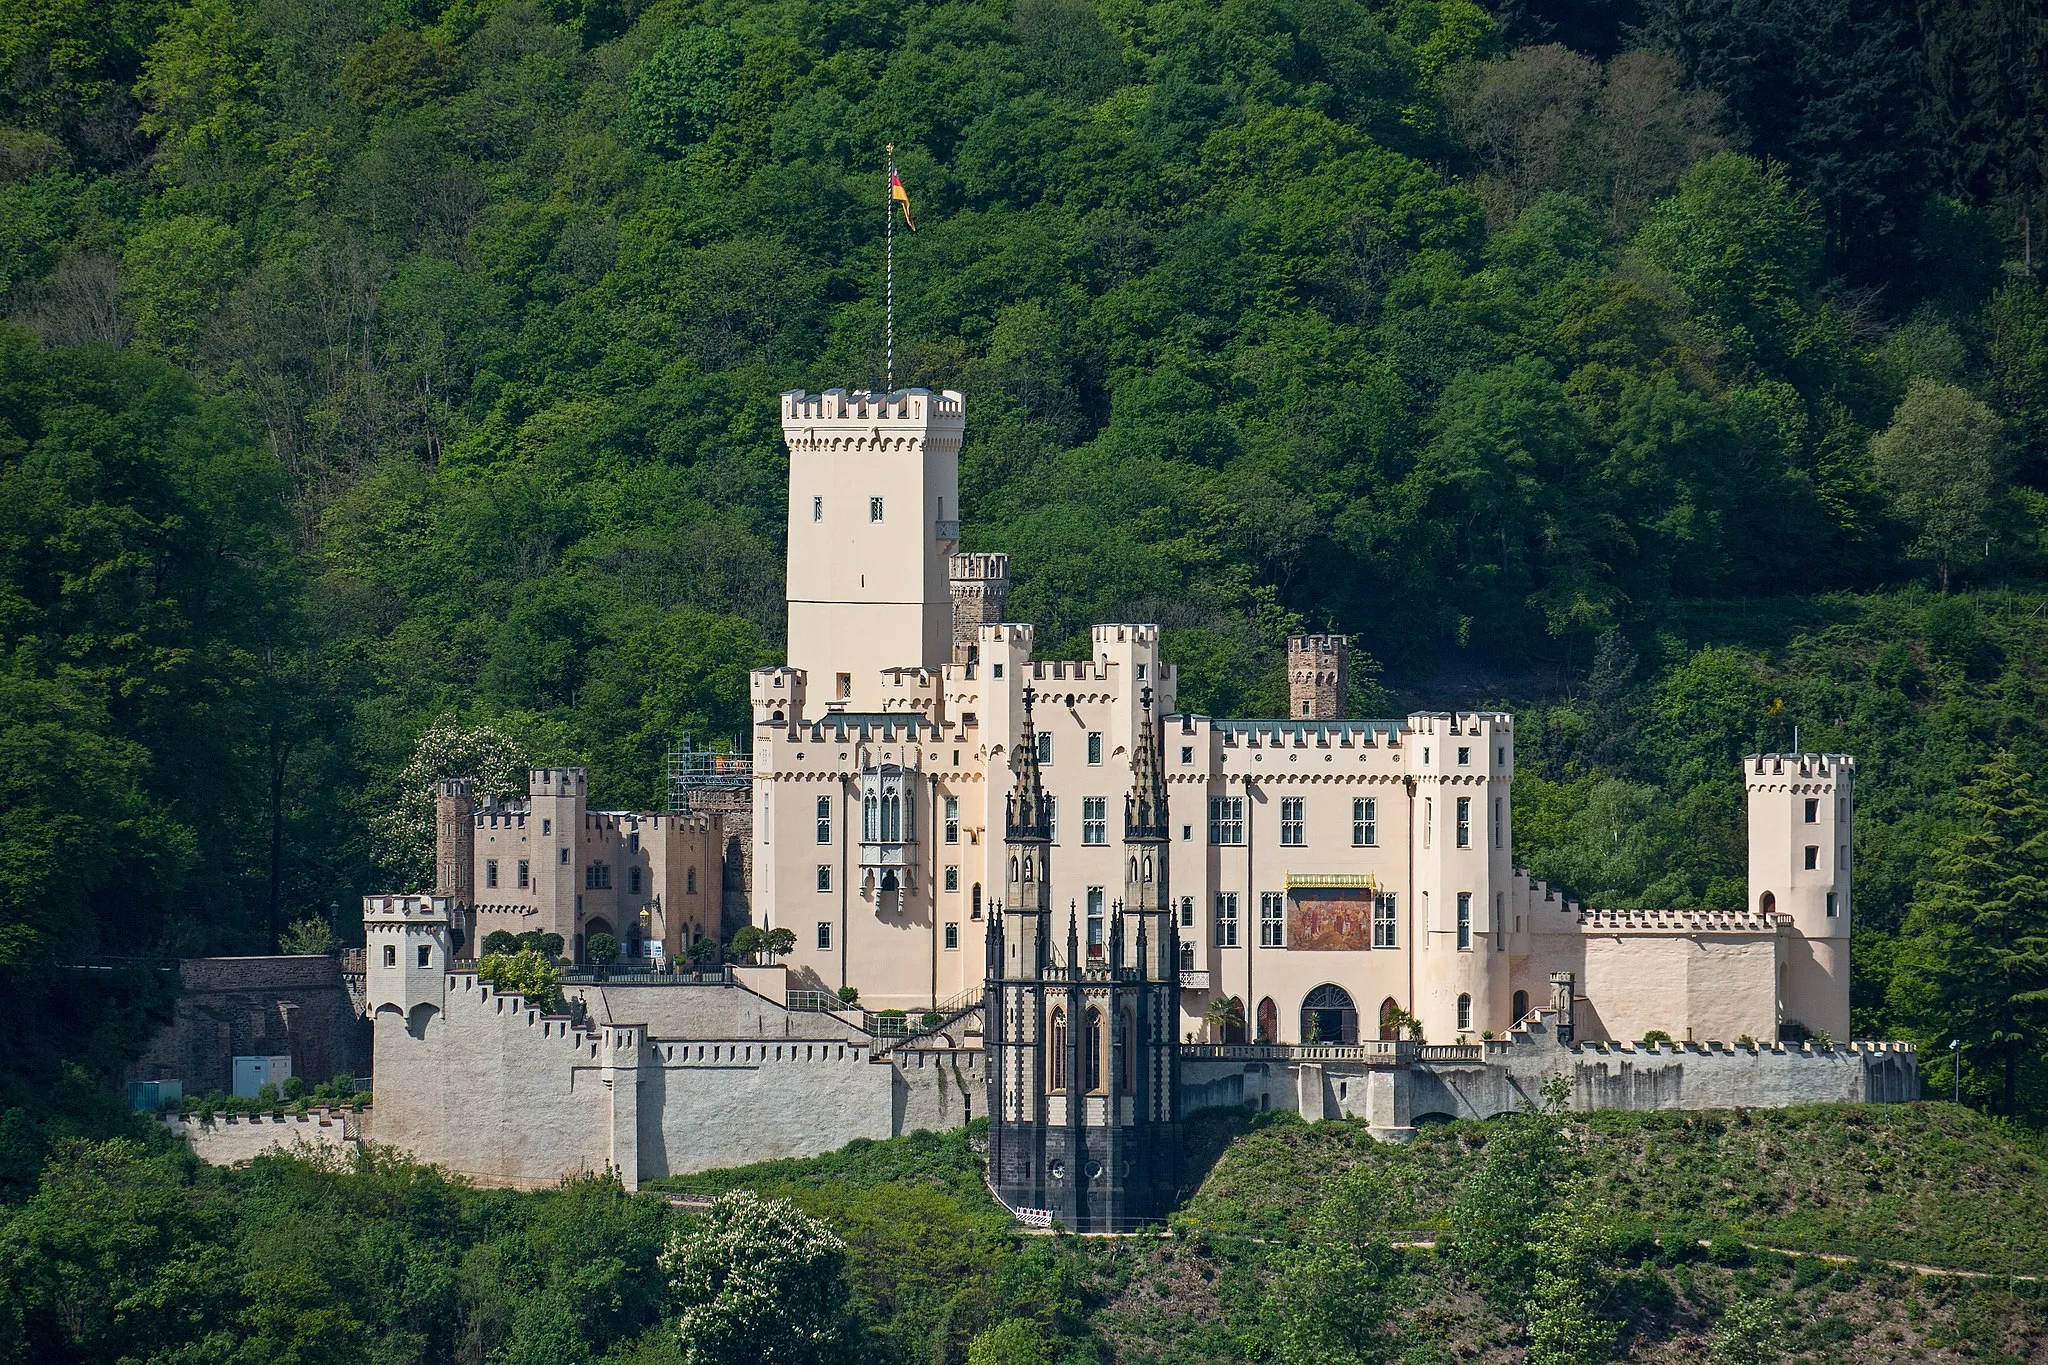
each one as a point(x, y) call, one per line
point(404, 831)
point(759, 1283)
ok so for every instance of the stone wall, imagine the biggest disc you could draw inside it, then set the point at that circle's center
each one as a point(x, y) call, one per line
point(232, 1007)
point(705, 1104)
point(937, 1088)
point(233, 1139)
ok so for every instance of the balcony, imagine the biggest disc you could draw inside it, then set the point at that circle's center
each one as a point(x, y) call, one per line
point(945, 530)
point(1194, 979)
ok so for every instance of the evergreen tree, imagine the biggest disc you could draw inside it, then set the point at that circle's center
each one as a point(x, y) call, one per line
point(1973, 962)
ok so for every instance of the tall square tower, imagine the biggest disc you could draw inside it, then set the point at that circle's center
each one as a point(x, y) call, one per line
point(874, 516)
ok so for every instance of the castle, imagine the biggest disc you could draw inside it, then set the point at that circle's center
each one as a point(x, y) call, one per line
point(1103, 911)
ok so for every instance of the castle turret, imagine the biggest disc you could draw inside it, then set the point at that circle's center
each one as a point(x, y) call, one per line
point(1801, 810)
point(981, 592)
point(1318, 676)
point(406, 953)
point(455, 841)
point(556, 802)
point(1462, 768)
point(874, 516)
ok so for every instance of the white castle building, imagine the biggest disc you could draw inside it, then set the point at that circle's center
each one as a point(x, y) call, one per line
point(1333, 875)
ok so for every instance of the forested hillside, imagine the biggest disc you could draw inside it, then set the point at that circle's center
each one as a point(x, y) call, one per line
point(1674, 372)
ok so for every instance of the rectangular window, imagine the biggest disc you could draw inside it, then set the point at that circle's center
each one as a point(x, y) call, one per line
point(1141, 672)
point(1226, 919)
point(952, 936)
point(1843, 860)
point(1812, 857)
point(633, 842)
point(1187, 753)
point(426, 955)
point(1464, 919)
point(1272, 920)
point(817, 509)
point(1187, 912)
point(1464, 822)
point(1812, 811)
point(1464, 756)
point(1094, 921)
point(874, 509)
point(1044, 748)
point(1292, 827)
point(953, 817)
point(524, 876)
point(1428, 820)
point(633, 880)
point(1498, 811)
point(1095, 747)
point(1500, 916)
point(1226, 819)
point(845, 686)
point(824, 876)
point(824, 819)
point(998, 670)
point(1383, 918)
point(1052, 818)
point(565, 857)
point(1094, 820)
point(824, 936)
point(952, 877)
point(390, 955)
point(490, 872)
point(1365, 825)
point(689, 885)
point(547, 827)
point(1832, 908)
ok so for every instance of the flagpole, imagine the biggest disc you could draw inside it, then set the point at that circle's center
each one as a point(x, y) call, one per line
point(889, 273)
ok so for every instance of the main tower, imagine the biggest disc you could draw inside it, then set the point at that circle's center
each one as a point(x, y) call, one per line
point(874, 515)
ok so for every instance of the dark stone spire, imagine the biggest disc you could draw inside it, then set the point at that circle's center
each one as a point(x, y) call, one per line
point(1027, 816)
point(1145, 807)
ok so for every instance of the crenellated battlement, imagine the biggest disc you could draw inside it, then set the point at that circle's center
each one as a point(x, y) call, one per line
point(1766, 770)
point(865, 405)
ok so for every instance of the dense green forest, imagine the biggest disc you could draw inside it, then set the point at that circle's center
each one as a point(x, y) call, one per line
point(1674, 372)
point(1737, 1239)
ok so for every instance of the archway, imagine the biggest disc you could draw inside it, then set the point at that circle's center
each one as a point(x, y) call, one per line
point(1521, 1006)
point(1328, 1016)
point(1269, 1021)
point(1390, 1017)
point(1767, 902)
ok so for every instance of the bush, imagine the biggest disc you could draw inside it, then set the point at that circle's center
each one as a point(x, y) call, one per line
point(849, 995)
point(602, 949)
point(309, 935)
point(525, 973)
point(1656, 1037)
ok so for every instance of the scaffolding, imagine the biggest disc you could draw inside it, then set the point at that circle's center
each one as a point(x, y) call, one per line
point(693, 770)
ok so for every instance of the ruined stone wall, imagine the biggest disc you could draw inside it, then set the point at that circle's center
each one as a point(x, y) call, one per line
point(296, 1006)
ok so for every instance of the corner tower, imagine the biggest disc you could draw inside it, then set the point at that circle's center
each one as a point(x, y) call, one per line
point(874, 516)
point(1801, 815)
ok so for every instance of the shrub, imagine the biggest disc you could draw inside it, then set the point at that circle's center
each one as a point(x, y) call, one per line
point(602, 949)
point(1656, 1037)
point(849, 995)
point(525, 973)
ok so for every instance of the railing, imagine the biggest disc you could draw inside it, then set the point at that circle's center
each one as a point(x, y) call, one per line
point(946, 530)
point(617, 975)
point(1376, 1051)
point(819, 1002)
point(1194, 979)
point(1453, 1052)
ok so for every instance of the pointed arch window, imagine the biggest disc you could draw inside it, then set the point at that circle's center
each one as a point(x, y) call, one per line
point(1057, 1062)
point(1091, 1050)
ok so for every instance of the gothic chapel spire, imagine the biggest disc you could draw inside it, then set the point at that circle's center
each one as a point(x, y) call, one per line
point(1027, 814)
point(1145, 807)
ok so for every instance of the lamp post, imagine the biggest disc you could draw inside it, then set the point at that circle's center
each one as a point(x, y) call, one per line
point(1955, 1059)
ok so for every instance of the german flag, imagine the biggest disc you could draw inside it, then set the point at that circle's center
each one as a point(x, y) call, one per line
point(901, 196)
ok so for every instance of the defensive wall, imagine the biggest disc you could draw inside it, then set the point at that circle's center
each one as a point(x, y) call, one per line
point(1395, 1086)
point(234, 1139)
point(228, 1007)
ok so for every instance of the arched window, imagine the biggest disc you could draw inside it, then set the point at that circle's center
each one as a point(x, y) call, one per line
point(1269, 1021)
point(1464, 1011)
point(892, 817)
point(976, 913)
point(1126, 1074)
point(1029, 876)
point(1057, 1062)
point(1013, 869)
point(1328, 1016)
point(1390, 1013)
point(1091, 1050)
point(689, 880)
point(1766, 903)
point(870, 811)
point(1521, 1006)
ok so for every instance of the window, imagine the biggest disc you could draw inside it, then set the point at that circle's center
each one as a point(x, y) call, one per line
point(824, 819)
point(1187, 912)
point(426, 955)
point(633, 880)
point(1052, 818)
point(998, 670)
point(565, 857)
point(1497, 822)
point(1057, 1079)
point(1304, 707)
point(1187, 753)
point(1272, 920)
point(1095, 747)
point(952, 877)
point(547, 827)
point(1428, 820)
point(1365, 825)
point(1141, 672)
point(1812, 857)
point(1833, 908)
point(1094, 820)
point(1187, 957)
point(1226, 819)
point(1044, 747)
point(953, 816)
point(845, 686)
point(1094, 922)
point(524, 879)
point(1383, 917)
point(1500, 916)
point(817, 509)
point(1464, 756)
point(824, 876)
point(1464, 822)
point(1464, 919)
point(1464, 1011)
point(1187, 833)
point(491, 872)
point(952, 936)
point(974, 906)
point(597, 877)
point(1226, 919)
point(1292, 826)
point(1812, 811)
point(689, 881)
point(390, 955)
point(1843, 860)
point(874, 509)
point(824, 936)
